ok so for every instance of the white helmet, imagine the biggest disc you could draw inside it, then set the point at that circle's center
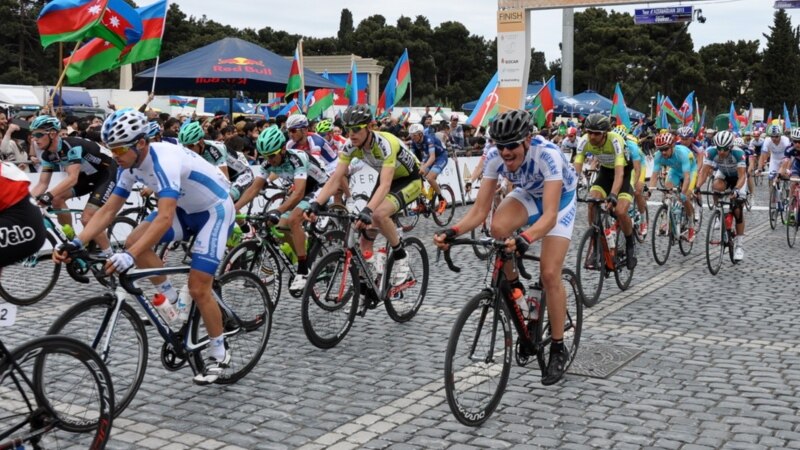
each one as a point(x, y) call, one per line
point(416, 128)
point(738, 142)
point(723, 139)
point(795, 134)
point(124, 127)
point(296, 121)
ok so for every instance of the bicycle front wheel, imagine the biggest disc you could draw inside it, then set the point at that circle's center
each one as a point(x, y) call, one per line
point(330, 300)
point(715, 248)
point(119, 230)
point(477, 362)
point(120, 341)
point(69, 392)
point(622, 275)
point(403, 298)
point(39, 273)
point(573, 321)
point(792, 215)
point(662, 236)
point(773, 208)
point(444, 217)
point(590, 269)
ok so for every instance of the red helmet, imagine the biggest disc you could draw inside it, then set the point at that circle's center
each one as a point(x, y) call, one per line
point(572, 131)
point(664, 140)
point(756, 134)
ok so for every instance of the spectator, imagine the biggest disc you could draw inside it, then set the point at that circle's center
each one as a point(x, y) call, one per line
point(456, 132)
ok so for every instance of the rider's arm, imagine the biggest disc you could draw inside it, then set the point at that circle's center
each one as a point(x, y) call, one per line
point(763, 158)
point(686, 168)
point(294, 198)
point(619, 175)
point(162, 222)
point(41, 186)
point(742, 177)
point(656, 169)
point(224, 170)
point(251, 193)
point(65, 185)
point(102, 218)
point(335, 181)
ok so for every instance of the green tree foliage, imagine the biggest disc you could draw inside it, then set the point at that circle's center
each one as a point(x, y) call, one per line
point(776, 80)
point(729, 73)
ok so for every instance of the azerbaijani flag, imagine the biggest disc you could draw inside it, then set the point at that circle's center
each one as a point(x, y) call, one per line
point(69, 20)
point(733, 120)
point(542, 109)
point(397, 84)
point(99, 55)
point(619, 109)
point(290, 108)
point(351, 88)
point(787, 120)
point(182, 102)
point(769, 118)
point(687, 109)
point(295, 82)
point(487, 106)
point(666, 104)
point(318, 101)
point(121, 25)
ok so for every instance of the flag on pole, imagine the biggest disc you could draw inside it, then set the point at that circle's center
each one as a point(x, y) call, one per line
point(182, 102)
point(99, 55)
point(619, 110)
point(294, 85)
point(487, 106)
point(769, 118)
point(542, 105)
point(351, 88)
point(733, 120)
point(318, 101)
point(291, 108)
point(121, 25)
point(687, 109)
point(787, 121)
point(671, 110)
point(397, 84)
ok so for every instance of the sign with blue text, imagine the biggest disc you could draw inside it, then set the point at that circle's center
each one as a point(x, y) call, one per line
point(669, 14)
point(787, 4)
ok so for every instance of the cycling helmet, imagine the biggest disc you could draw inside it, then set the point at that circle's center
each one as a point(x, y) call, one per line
point(296, 121)
point(685, 132)
point(191, 133)
point(723, 139)
point(534, 130)
point(46, 123)
point(795, 134)
point(416, 128)
point(511, 126)
point(756, 134)
point(710, 131)
point(774, 130)
point(747, 133)
point(664, 140)
point(357, 115)
point(324, 126)
point(621, 130)
point(270, 141)
point(153, 128)
point(572, 131)
point(597, 122)
point(738, 142)
point(124, 127)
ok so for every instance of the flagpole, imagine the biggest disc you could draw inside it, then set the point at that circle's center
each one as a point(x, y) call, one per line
point(302, 78)
point(64, 71)
point(158, 58)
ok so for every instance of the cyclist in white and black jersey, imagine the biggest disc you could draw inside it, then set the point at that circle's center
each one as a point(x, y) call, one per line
point(774, 148)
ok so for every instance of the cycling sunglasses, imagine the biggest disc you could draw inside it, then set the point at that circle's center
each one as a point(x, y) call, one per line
point(39, 135)
point(355, 128)
point(117, 151)
point(509, 146)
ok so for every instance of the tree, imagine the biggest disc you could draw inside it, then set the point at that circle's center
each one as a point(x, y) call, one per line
point(346, 30)
point(776, 80)
point(729, 70)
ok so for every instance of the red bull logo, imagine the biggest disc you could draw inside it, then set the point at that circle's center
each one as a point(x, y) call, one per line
point(241, 64)
point(241, 61)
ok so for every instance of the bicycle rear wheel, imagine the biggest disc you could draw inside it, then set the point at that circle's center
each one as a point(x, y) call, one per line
point(443, 219)
point(408, 217)
point(792, 215)
point(126, 356)
point(662, 236)
point(39, 273)
point(260, 259)
point(119, 230)
point(590, 268)
point(69, 392)
point(573, 322)
point(683, 242)
point(715, 247)
point(246, 323)
point(622, 275)
point(403, 299)
point(330, 300)
point(773, 208)
point(477, 362)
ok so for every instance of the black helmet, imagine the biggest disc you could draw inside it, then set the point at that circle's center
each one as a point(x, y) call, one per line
point(597, 122)
point(357, 115)
point(511, 126)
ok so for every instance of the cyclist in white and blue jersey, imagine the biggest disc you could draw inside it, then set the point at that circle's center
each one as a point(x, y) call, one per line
point(543, 203)
point(192, 200)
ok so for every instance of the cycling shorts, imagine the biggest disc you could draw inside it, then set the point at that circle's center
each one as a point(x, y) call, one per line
point(437, 167)
point(403, 191)
point(676, 178)
point(99, 185)
point(211, 229)
point(730, 181)
point(302, 205)
point(22, 229)
point(605, 180)
point(566, 211)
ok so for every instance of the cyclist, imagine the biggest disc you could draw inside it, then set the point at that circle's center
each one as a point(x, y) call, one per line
point(570, 143)
point(682, 172)
point(325, 130)
point(686, 136)
point(749, 158)
point(636, 155)
point(774, 148)
point(614, 179)
point(791, 166)
point(728, 165)
point(88, 169)
point(192, 200)
point(708, 138)
point(312, 143)
point(398, 182)
point(21, 223)
point(543, 202)
point(295, 166)
point(431, 152)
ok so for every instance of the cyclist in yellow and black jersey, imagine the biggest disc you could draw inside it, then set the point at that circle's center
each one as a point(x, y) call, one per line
point(614, 179)
point(398, 181)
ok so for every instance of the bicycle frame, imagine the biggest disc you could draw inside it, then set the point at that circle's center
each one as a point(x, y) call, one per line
point(599, 231)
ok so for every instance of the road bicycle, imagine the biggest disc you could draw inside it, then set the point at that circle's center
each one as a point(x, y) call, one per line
point(724, 238)
point(33, 278)
point(778, 201)
point(424, 205)
point(486, 226)
point(333, 294)
point(671, 226)
point(602, 251)
point(55, 392)
point(477, 361)
point(793, 213)
point(113, 328)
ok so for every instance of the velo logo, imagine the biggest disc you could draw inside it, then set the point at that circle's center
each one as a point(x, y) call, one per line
point(15, 235)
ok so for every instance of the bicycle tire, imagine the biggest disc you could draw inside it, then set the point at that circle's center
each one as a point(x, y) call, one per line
point(791, 228)
point(475, 406)
point(446, 216)
point(645, 217)
point(710, 197)
point(248, 299)
point(85, 320)
point(481, 251)
point(69, 391)
point(408, 217)
point(573, 322)
point(731, 242)
point(659, 240)
point(27, 293)
point(259, 258)
point(622, 275)
point(684, 245)
point(715, 248)
point(773, 208)
point(119, 230)
point(589, 262)
point(324, 244)
point(339, 311)
point(401, 302)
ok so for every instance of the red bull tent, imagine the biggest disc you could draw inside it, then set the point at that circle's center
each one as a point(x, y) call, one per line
point(230, 63)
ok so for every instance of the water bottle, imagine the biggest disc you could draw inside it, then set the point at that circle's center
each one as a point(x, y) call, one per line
point(380, 261)
point(184, 303)
point(287, 249)
point(533, 301)
point(521, 302)
point(369, 258)
point(165, 309)
point(69, 232)
point(729, 221)
point(610, 231)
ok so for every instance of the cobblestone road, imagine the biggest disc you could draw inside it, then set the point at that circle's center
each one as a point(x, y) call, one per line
point(719, 367)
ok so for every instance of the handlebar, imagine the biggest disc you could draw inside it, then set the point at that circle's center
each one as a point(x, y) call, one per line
point(497, 244)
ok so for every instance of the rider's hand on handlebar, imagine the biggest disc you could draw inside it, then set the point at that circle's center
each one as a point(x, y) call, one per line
point(273, 217)
point(521, 243)
point(443, 237)
point(311, 213)
point(612, 199)
point(63, 252)
point(119, 262)
point(364, 218)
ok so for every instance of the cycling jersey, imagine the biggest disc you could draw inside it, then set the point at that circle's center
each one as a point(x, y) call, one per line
point(611, 154)
point(682, 160)
point(756, 145)
point(727, 165)
point(387, 151)
point(14, 185)
point(569, 145)
point(775, 152)
point(215, 153)
point(72, 150)
point(316, 146)
point(633, 152)
point(296, 164)
point(427, 145)
point(794, 154)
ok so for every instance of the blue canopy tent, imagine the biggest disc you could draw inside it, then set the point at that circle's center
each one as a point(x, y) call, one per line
point(562, 104)
point(229, 63)
point(602, 104)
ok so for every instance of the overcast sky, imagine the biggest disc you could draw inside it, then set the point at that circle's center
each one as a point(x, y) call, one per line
point(726, 19)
